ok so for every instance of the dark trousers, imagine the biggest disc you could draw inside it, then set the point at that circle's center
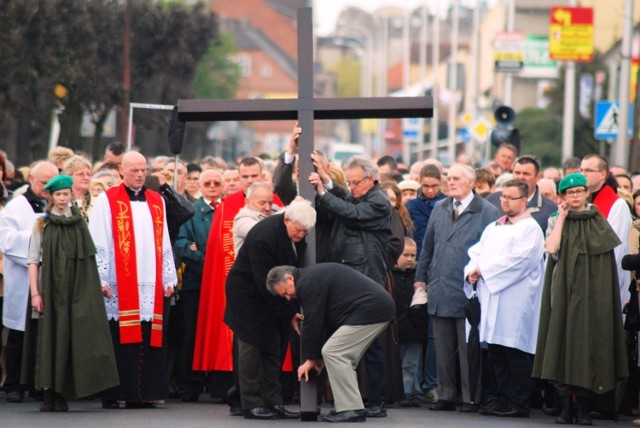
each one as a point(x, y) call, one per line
point(15, 340)
point(374, 363)
point(512, 368)
point(259, 374)
point(192, 381)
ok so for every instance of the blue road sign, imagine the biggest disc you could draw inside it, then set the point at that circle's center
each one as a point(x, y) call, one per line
point(606, 120)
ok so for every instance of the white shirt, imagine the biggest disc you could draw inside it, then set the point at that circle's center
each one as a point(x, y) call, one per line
point(511, 262)
point(16, 225)
point(100, 227)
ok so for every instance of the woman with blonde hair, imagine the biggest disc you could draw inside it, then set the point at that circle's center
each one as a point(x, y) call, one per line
point(79, 169)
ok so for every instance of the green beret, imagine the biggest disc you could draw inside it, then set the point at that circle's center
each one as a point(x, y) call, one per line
point(59, 182)
point(574, 179)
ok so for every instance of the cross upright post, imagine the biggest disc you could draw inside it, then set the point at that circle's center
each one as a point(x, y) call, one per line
point(305, 109)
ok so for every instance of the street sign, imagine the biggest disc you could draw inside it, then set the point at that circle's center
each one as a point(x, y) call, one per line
point(571, 34)
point(480, 130)
point(537, 64)
point(508, 51)
point(606, 123)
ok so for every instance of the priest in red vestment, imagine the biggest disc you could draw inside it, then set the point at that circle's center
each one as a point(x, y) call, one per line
point(214, 349)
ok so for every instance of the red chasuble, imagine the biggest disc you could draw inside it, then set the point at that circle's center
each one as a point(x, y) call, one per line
point(124, 245)
point(605, 199)
point(214, 340)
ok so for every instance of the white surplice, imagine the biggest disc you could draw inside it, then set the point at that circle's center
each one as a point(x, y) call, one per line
point(16, 225)
point(511, 261)
point(100, 227)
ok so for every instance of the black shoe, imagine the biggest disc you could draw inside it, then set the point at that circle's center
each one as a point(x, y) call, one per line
point(552, 411)
point(190, 397)
point(416, 402)
point(488, 407)
point(236, 411)
point(443, 405)
point(509, 412)
point(260, 413)
point(15, 397)
point(139, 405)
point(404, 403)
point(110, 404)
point(566, 413)
point(346, 416)
point(469, 408)
point(48, 401)
point(376, 411)
point(60, 403)
point(283, 413)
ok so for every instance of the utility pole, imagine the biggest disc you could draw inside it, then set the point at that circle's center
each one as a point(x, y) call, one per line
point(435, 68)
point(475, 74)
point(508, 77)
point(422, 60)
point(126, 73)
point(453, 81)
point(620, 154)
point(569, 108)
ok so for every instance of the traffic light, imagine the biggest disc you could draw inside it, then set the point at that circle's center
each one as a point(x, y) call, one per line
point(504, 133)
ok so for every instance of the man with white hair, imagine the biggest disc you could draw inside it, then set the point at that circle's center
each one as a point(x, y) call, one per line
point(259, 320)
point(456, 224)
point(360, 238)
point(16, 224)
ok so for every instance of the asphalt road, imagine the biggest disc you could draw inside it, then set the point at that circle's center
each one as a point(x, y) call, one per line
point(206, 413)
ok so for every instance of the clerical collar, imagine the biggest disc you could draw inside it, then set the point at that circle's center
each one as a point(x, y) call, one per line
point(136, 195)
point(37, 205)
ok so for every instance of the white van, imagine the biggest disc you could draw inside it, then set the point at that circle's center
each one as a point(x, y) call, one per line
point(342, 152)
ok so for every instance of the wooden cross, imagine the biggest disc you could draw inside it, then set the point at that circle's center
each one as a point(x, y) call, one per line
point(305, 109)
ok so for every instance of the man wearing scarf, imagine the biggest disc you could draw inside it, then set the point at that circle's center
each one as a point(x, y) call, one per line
point(137, 272)
point(603, 194)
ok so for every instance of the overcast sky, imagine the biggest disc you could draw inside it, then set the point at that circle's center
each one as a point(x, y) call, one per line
point(325, 12)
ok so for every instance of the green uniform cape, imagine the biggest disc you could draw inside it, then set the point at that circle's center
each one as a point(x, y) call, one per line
point(74, 353)
point(581, 339)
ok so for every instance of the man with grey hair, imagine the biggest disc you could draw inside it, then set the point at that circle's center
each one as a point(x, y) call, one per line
point(348, 307)
point(16, 224)
point(259, 320)
point(360, 237)
point(455, 225)
point(258, 206)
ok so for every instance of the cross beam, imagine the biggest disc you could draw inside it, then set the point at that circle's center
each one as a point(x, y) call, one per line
point(305, 109)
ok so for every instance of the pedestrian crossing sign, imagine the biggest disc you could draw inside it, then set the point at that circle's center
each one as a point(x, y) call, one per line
point(606, 123)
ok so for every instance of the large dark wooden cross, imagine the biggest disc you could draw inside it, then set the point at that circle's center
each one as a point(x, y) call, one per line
point(305, 109)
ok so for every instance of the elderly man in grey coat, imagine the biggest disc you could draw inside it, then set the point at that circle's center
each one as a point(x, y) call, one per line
point(456, 224)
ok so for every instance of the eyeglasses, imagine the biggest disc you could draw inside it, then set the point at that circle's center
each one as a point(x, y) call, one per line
point(577, 192)
point(355, 182)
point(193, 178)
point(587, 170)
point(212, 183)
point(430, 186)
point(511, 198)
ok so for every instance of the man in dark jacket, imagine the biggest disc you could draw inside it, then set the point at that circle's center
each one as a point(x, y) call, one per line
point(360, 236)
point(348, 308)
point(259, 320)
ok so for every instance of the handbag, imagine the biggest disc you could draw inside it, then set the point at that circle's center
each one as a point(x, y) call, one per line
point(632, 309)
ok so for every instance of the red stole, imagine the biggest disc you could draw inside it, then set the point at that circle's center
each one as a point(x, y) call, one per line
point(126, 265)
point(605, 199)
point(214, 340)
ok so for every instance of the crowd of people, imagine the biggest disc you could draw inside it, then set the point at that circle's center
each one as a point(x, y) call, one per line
point(492, 290)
